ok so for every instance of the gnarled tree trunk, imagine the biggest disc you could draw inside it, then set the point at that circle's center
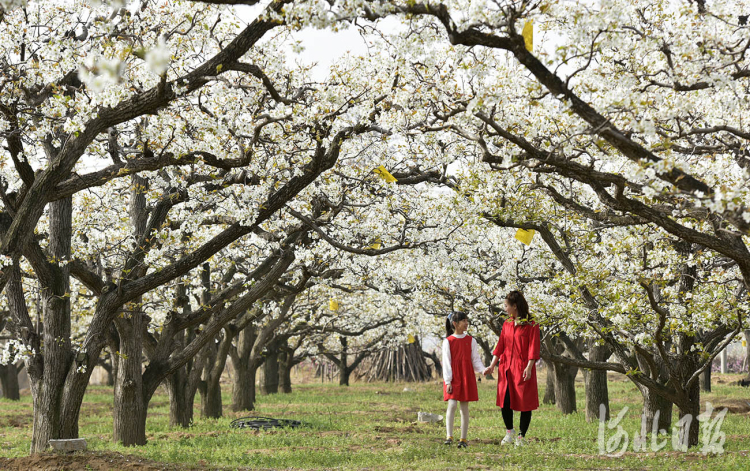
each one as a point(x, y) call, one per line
point(270, 383)
point(286, 362)
point(47, 383)
point(243, 387)
point(181, 387)
point(9, 382)
point(549, 390)
point(597, 391)
point(689, 409)
point(657, 412)
point(705, 381)
point(130, 407)
point(210, 386)
point(565, 390)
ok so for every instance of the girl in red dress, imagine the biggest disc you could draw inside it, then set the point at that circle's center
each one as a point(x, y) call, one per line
point(460, 361)
point(517, 351)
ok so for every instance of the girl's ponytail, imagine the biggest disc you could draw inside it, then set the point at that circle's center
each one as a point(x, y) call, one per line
point(449, 325)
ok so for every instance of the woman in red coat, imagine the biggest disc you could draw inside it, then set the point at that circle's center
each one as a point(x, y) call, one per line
point(516, 353)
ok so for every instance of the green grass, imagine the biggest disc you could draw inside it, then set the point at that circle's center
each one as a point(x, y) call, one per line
point(374, 426)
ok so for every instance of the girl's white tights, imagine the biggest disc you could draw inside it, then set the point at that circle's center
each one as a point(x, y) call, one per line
point(450, 416)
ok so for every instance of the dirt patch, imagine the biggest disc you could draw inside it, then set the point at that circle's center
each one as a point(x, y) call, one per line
point(735, 406)
point(496, 441)
point(17, 420)
point(86, 461)
point(408, 429)
point(94, 409)
point(185, 435)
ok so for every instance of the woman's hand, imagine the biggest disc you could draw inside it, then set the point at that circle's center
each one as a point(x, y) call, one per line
point(449, 388)
point(527, 372)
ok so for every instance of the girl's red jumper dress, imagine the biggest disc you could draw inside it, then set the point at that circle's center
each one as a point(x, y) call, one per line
point(464, 381)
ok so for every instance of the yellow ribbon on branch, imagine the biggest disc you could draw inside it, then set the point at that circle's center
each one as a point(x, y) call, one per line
point(385, 174)
point(525, 236)
point(333, 305)
point(411, 339)
point(376, 244)
point(528, 35)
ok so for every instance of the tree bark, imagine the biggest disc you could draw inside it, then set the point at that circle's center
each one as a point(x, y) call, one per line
point(130, 407)
point(435, 361)
point(113, 343)
point(565, 390)
point(549, 391)
point(210, 386)
point(689, 418)
point(344, 376)
point(48, 386)
point(344, 371)
point(270, 383)
point(181, 397)
point(182, 384)
point(747, 352)
point(689, 409)
point(657, 410)
point(216, 353)
point(597, 391)
point(9, 382)
point(286, 362)
point(211, 405)
point(243, 387)
point(705, 380)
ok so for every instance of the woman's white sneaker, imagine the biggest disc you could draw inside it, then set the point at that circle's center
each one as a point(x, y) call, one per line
point(510, 435)
point(520, 441)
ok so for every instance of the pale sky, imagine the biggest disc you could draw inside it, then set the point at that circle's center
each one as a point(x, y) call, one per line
point(323, 47)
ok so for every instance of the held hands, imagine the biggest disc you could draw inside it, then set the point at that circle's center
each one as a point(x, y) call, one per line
point(487, 370)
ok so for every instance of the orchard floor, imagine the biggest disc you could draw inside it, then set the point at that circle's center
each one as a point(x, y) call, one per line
point(373, 426)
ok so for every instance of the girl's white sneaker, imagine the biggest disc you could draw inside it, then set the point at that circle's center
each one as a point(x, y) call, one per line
point(510, 435)
point(520, 441)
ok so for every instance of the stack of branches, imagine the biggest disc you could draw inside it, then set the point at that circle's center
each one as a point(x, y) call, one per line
point(405, 363)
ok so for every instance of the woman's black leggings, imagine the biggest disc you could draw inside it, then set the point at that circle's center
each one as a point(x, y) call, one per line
point(508, 415)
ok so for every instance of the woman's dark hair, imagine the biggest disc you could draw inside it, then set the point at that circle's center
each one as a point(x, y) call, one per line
point(516, 299)
point(453, 317)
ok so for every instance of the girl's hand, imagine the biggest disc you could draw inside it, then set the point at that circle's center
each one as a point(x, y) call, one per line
point(449, 388)
point(527, 372)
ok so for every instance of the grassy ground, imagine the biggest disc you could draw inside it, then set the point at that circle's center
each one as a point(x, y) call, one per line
point(374, 426)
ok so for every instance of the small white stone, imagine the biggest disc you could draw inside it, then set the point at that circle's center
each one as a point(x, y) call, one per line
point(71, 444)
point(428, 417)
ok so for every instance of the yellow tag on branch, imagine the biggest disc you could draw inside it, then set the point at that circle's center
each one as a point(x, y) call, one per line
point(385, 174)
point(525, 236)
point(744, 343)
point(528, 35)
point(375, 245)
point(333, 305)
point(411, 339)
